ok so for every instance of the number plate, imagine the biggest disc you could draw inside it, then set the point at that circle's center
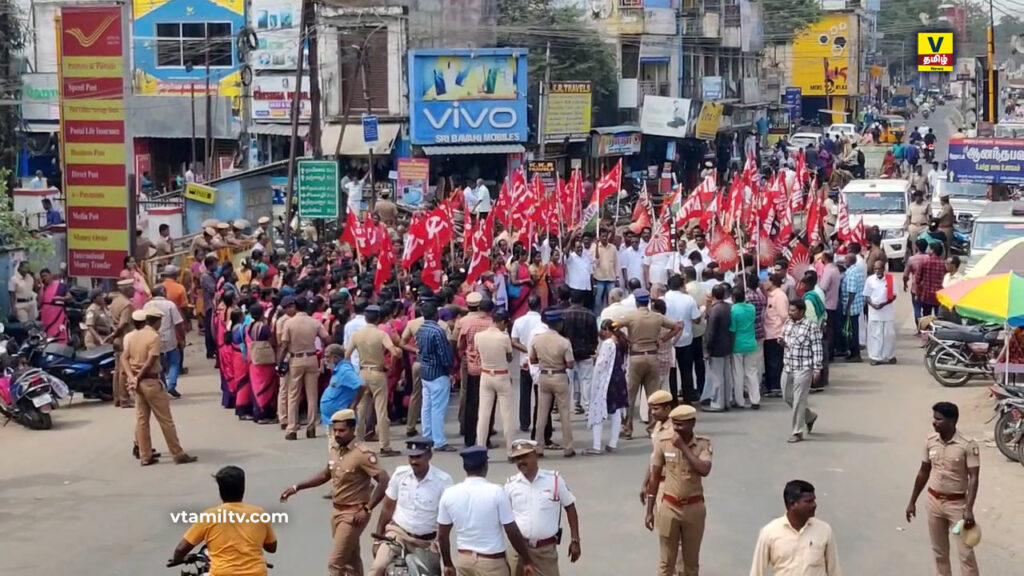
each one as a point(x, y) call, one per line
point(42, 400)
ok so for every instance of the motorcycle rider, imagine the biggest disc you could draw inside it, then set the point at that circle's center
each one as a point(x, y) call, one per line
point(409, 511)
point(929, 142)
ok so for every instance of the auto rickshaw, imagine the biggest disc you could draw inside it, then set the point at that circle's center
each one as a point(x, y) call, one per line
point(894, 128)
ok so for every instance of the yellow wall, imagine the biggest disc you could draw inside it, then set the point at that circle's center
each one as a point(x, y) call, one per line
point(822, 43)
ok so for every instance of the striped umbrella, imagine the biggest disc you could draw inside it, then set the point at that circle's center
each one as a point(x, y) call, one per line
point(1005, 257)
point(998, 298)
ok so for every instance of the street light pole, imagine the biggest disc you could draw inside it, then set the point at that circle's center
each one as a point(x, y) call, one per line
point(993, 114)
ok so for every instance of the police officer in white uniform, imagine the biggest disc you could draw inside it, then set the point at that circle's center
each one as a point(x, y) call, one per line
point(538, 497)
point(481, 516)
point(409, 512)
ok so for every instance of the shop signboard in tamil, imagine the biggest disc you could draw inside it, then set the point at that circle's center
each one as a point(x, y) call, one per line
point(272, 98)
point(824, 59)
point(413, 180)
point(664, 116)
point(618, 144)
point(546, 170)
point(711, 88)
point(935, 52)
point(793, 97)
point(200, 193)
point(318, 188)
point(467, 96)
point(567, 111)
point(92, 55)
point(986, 160)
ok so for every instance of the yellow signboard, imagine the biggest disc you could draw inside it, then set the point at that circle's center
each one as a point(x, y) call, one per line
point(567, 114)
point(707, 122)
point(200, 193)
point(935, 51)
point(824, 57)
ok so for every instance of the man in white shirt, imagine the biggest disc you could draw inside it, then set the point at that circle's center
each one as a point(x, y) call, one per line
point(615, 309)
point(470, 199)
point(522, 335)
point(700, 297)
point(579, 266)
point(411, 501)
point(482, 206)
point(656, 268)
point(172, 332)
point(481, 516)
point(631, 260)
point(537, 498)
point(22, 290)
point(39, 182)
point(881, 316)
point(796, 543)
point(354, 191)
point(681, 307)
point(629, 301)
point(190, 176)
point(358, 321)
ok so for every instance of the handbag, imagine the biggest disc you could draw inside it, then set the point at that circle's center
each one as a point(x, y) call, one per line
point(261, 353)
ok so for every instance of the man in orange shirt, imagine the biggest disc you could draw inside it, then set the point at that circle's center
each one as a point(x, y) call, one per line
point(177, 294)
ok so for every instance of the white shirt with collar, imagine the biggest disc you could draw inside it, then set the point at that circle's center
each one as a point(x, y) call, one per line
point(578, 270)
point(417, 500)
point(657, 271)
point(469, 197)
point(615, 311)
point(478, 510)
point(483, 199)
point(358, 321)
point(522, 330)
point(681, 307)
point(537, 505)
point(632, 260)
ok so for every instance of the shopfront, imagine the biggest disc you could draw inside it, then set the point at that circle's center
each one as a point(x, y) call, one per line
point(38, 138)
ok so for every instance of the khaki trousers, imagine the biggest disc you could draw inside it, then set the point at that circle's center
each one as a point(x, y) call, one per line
point(545, 561)
point(385, 553)
point(121, 395)
point(303, 373)
point(285, 384)
point(643, 373)
point(415, 399)
point(553, 388)
point(473, 565)
point(491, 386)
point(26, 311)
point(679, 526)
point(376, 383)
point(151, 398)
point(344, 558)
point(942, 515)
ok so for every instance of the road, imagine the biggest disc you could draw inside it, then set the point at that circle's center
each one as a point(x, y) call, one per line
point(73, 501)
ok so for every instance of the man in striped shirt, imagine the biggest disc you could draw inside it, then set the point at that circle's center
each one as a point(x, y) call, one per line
point(434, 354)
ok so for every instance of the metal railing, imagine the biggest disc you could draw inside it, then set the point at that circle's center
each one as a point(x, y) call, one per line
point(650, 88)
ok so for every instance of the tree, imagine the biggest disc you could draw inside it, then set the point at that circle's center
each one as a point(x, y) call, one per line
point(14, 234)
point(898, 22)
point(577, 51)
point(12, 40)
point(784, 19)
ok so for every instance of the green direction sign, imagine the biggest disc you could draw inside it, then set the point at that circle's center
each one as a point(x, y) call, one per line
point(318, 189)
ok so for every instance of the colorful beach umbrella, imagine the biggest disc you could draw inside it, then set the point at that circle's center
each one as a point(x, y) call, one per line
point(1006, 257)
point(998, 298)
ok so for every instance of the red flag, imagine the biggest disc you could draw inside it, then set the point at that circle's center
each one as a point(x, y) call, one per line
point(814, 218)
point(480, 259)
point(799, 260)
point(522, 201)
point(858, 234)
point(642, 212)
point(415, 240)
point(767, 251)
point(431, 274)
point(503, 207)
point(354, 234)
point(610, 183)
point(723, 249)
point(843, 222)
point(692, 208)
point(796, 195)
point(734, 204)
point(711, 212)
point(385, 267)
point(575, 189)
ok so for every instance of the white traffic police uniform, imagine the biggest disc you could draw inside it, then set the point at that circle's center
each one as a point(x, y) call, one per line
point(477, 510)
point(414, 522)
point(537, 507)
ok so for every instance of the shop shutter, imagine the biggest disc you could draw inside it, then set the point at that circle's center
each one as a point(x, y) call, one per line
point(376, 67)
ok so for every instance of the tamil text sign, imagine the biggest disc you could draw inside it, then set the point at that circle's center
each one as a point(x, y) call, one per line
point(200, 193)
point(567, 111)
point(707, 122)
point(986, 160)
point(272, 98)
point(618, 144)
point(318, 188)
point(92, 57)
point(935, 51)
point(467, 96)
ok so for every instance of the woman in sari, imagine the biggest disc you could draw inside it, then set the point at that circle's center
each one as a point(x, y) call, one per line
point(609, 382)
point(889, 166)
point(519, 284)
point(539, 275)
point(51, 305)
point(221, 325)
point(239, 366)
point(132, 272)
point(262, 368)
point(556, 275)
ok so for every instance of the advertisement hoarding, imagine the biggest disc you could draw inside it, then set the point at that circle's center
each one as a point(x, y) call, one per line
point(793, 97)
point(39, 96)
point(272, 98)
point(708, 121)
point(986, 160)
point(277, 33)
point(567, 114)
point(413, 180)
point(824, 59)
point(664, 116)
point(92, 56)
point(467, 96)
point(618, 144)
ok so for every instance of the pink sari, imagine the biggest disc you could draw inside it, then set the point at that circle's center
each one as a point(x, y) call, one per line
point(239, 374)
point(262, 379)
point(51, 312)
point(142, 293)
point(228, 382)
point(519, 306)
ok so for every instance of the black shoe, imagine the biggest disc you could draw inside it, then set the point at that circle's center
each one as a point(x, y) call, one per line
point(174, 393)
point(291, 436)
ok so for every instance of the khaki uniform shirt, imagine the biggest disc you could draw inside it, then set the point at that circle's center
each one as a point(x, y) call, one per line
point(199, 241)
point(121, 311)
point(387, 211)
point(163, 247)
point(681, 482)
point(218, 242)
point(352, 468)
point(550, 351)
point(606, 261)
point(919, 214)
point(98, 318)
point(24, 287)
point(494, 347)
point(142, 248)
point(279, 324)
point(644, 327)
point(371, 342)
point(143, 345)
point(946, 217)
point(300, 333)
point(950, 462)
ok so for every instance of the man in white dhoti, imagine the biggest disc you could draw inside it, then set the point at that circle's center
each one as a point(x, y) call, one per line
point(881, 317)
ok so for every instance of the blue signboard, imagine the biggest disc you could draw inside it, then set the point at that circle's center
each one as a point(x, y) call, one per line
point(794, 98)
point(467, 96)
point(986, 160)
point(371, 132)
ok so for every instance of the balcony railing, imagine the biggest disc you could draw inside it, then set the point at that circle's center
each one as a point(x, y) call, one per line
point(706, 25)
point(650, 88)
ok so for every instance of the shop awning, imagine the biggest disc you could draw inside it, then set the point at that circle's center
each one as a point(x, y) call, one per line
point(353, 144)
point(278, 130)
point(473, 149)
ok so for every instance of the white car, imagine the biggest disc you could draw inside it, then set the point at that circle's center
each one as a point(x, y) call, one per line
point(966, 199)
point(802, 139)
point(882, 203)
point(837, 131)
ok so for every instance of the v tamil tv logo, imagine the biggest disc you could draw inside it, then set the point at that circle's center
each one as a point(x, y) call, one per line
point(87, 40)
point(935, 51)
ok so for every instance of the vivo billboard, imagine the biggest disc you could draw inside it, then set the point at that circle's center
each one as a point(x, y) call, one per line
point(467, 96)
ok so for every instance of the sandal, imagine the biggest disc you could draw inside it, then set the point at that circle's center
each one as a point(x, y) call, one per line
point(795, 438)
point(593, 452)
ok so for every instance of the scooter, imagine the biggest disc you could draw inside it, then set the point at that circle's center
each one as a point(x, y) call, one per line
point(409, 561)
point(27, 395)
point(199, 564)
point(88, 372)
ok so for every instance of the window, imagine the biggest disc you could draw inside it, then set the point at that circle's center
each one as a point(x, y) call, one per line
point(183, 44)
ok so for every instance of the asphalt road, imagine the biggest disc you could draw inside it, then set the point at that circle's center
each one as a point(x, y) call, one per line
point(73, 501)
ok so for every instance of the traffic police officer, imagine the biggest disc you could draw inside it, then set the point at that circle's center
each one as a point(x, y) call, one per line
point(298, 340)
point(537, 497)
point(684, 458)
point(409, 513)
point(371, 342)
point(552, 353)
point(358, 485)
point(121, 309)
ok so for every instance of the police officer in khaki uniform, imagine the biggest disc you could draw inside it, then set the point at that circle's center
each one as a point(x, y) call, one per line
point(121, 309)
point(661, 404)
point(495, 349)
point(552, 353)
point(298, 344)
point(684, 458)
point(358, 484)
point(644, 327)
point(950, 469)
point(141, 360)
point(284, 313)
point(203, 240)
point(219, 239)
point(371, 342)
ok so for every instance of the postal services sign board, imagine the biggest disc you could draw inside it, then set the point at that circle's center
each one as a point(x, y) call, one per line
point(468, 96)
point(935, 51)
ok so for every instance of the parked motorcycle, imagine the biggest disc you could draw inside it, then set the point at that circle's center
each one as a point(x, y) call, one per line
point(409, 561)
point(198, 564)
point(88, 372)
point(1009, 428)
point(74, 310)
point(956, 353)
point(27, 395)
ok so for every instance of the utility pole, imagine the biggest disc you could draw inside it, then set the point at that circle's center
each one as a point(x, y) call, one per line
point(314, 85)
point(364, 70)
point(306, 6)
point(208, 148)
point(993, 113)
point(542, 108)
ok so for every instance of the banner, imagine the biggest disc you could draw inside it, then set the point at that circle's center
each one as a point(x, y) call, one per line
point(986, 161)
point(824, 61)
point(91, 52)
point(413, 178)
point(277, 30)
point(567, 112)
point(200, 193)
point(707, 122)
point(664, 116)
point(272, 98)
point(618, 144)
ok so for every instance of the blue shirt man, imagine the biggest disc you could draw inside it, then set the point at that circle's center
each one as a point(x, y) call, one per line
point(434, 353)
point(343, 390)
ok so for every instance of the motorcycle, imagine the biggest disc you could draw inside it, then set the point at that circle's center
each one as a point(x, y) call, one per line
point(1009, 428)
point(27, 395)
point(199, 564)
point(956, 353)
point(74, 310)
point(409, 561)
point(929, 152)
point(88, 372)
point(925, 112)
